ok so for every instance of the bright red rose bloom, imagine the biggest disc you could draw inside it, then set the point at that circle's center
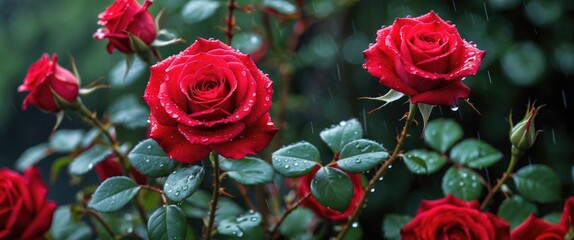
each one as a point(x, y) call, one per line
point(24, 212)
point(111, 167)
point(424, 58)
point(304, 188)
point(44, 80)
point(567, 219)
point(537, 229)
point(209, 97)
point(125, 17)
point(452, 218)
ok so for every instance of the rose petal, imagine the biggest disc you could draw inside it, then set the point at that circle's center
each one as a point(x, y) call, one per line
point(534, 228)
point(448, 95)
point(209, 136)
point(175, 144)
point(41, 222)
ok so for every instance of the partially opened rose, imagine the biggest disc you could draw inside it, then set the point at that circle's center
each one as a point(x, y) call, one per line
point(209, 97)
point(452, 218)
point(25, 213)
point(425, 58)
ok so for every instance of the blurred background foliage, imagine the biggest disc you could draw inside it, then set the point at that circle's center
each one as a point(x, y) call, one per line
point(530, 57)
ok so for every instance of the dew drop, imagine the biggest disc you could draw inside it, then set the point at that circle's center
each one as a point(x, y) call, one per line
point(177, 193)
point(372, 190)
point(355, 224)
point(295, 164)
point(90, 166)
point(358, 160)
point(454, 107)
point(286, 166)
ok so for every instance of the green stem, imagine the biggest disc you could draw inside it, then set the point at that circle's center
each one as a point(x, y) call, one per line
point(215, 196)
point(290, 209)
point(98, 217)
point(410, 116)
point(516, 154)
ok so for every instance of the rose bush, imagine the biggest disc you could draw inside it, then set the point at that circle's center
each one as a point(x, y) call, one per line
point(47, 80)
point(304, 188)
point(451, 218)
point(122, 19)
point(209, 97)
point(24, 211)
point(425, 58)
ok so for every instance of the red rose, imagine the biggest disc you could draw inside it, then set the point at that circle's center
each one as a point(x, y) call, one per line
point(424, 58)
point(304, 188)
point(24, 212)
point(452, 218)
point(44, 80)
point(537, 229)
point(125, 17)
point(567, 219)
point(209, 97)
point(111, 167)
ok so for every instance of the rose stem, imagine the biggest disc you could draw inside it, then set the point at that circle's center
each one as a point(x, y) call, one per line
point(163, 196)
point(101, 220)
point(213, 156)
point(229, 27)
point(410, 116)
point(513, 159)
point(290, 209)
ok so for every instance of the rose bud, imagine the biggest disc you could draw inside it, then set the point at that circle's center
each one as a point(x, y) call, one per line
point(523, 134)
point(452, 218)
point(24, 211)
point(128, 25)
point(534, 228)
point(425, 58)
point(48, 84)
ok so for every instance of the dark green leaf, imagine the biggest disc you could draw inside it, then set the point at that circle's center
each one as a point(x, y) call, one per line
point(463, 183)
point(66, 140)
point(282, 6)
point(89, 159)
point(167, 223)
point(129, 112)
point(237, 226)
point(248, 170)
point(332, 188)
point(339, 135)
point(246, 42)
point(63, 227)
point(296, 223)
point(32, 156)
point(197, 204)
point(361, 155)
point(475, 153)
point(553, 217)
point(421, 161)
point(198, 10)
point(392, 225)
point(355, 232)
point(120, 76)
point(89, 137)
point(183, 182)
point(296, 160)
point(442, 133)
point(113, 194)
point(515, 210)
point(149, 159)
point(538, 183)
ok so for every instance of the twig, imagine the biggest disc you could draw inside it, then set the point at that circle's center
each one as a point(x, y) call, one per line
point(102, 221)
point(290, 209)
point(513, 159)
point(215, 196)
point(161, 192)
point(229, 23)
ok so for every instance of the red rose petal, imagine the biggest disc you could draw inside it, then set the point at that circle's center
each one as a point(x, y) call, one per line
point(534, 228)
point(175, 144)
point(41, 223)
point(209, 136)
point(448, 95)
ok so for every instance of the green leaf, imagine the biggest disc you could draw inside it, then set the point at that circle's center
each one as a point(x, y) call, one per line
point(63, 227)
point(553, 217)
point(296, 160)
point(88, 160)
point(183, 182)
point(198, 10)
point(113, 194)
point(149, 159)
point(442, 133)
point(32, 156)
point(247, 42)
point(123, 75)
point(355, 232)
point(57, 166)
point(421, 161)
point(361, 155)
point(237, 226)
point(197, 204)
point(475, 153)
point(339, 135)
point(66, 140)
point(167, 223)
point(248, 170)
point(425, 110)
point(392, 225)
point(282, 6)
point(296, 223)
point(463, 183)
point(538, 183)
point(129, 112)
point(332, 188)
point(515, 210)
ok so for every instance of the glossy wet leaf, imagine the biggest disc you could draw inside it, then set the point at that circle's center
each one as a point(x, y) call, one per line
point(198, 10)
point(66, 140)
point(88, 160)
point(440, 134)
point(123, 75)
point(238, 226)
point(149, 159)
point(167, 223)
point(296, 160)
point(361, 155)
point(113, 194)
point(247, 42)
point(421, 161)
point(248, 170)
point(392, 225)
point(32, 156)
point(339, 135)
point(332, 188)
point(63, 227)
point(475, 153)
point(281, 6)
point(129, 112)
point(462, 183)
point(296, 223)
point(515, 210)
point(183, 182)
point(538, 183)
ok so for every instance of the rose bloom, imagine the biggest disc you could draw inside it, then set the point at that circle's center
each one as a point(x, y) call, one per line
point(111, 167)
point(24, 212)
point(424, 58)
point(452, 218)
point(534, 228)
point(304, 188)
point(209, 97)
point(125, 17)
point(44, 80)
point(567, 219)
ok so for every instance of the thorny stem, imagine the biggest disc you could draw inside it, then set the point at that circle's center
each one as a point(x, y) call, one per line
point(290, 209)
point(381, 171)
point(516, 154)
point(229, 22)
point(213, 156)
point(102, 221)
point(162, 193)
